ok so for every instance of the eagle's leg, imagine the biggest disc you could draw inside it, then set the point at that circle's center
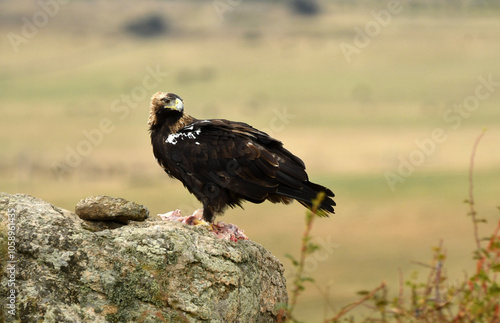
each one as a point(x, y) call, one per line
point(208, 214)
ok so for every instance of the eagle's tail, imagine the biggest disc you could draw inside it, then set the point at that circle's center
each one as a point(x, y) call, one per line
point(308, 193)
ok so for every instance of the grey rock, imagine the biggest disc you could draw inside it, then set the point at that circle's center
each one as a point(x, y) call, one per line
point(106, 208)
point(151, 271)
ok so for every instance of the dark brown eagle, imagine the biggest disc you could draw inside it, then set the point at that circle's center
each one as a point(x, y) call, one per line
point(223, 162)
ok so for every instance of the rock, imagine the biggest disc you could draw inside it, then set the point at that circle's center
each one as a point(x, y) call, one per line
point(105, 208)
point(151, 271)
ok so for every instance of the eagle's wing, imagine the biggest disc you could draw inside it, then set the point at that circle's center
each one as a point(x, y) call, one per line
point(237, 157)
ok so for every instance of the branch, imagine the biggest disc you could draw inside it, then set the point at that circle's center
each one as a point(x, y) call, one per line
point(472, 212)
point(355, 304)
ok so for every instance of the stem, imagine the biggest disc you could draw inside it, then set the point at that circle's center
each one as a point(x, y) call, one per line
point(303, 252)
point(401, 288)
point(471, 190)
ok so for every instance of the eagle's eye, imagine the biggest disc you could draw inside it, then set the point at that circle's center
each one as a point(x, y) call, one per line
point(166, 100)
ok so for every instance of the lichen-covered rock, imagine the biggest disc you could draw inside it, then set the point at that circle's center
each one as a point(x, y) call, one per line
point(106, 208)
point(152, 271)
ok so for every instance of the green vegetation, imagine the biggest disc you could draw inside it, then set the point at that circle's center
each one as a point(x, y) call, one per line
point(352, 121)
point(472, 299)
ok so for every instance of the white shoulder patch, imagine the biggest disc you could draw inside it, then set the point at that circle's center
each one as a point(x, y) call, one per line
point(173, 138)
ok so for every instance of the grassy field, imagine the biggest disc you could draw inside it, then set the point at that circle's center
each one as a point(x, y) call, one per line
point(350, 122)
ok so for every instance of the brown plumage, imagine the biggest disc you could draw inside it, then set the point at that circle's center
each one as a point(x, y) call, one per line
point(224, 162)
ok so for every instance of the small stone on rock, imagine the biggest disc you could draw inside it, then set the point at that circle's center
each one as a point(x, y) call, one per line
point(106, 208)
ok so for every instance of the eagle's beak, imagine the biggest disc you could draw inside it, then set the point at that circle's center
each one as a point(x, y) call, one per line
point(179, 105)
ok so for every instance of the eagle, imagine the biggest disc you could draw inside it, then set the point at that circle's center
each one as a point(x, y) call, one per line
point(224, 163)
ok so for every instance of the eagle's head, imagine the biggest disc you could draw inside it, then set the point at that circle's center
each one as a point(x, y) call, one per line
point(164, 105)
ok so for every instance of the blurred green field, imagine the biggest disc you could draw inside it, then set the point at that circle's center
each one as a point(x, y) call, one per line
point(350, 122)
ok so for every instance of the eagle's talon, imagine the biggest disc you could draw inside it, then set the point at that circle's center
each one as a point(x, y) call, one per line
point(201, 222)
